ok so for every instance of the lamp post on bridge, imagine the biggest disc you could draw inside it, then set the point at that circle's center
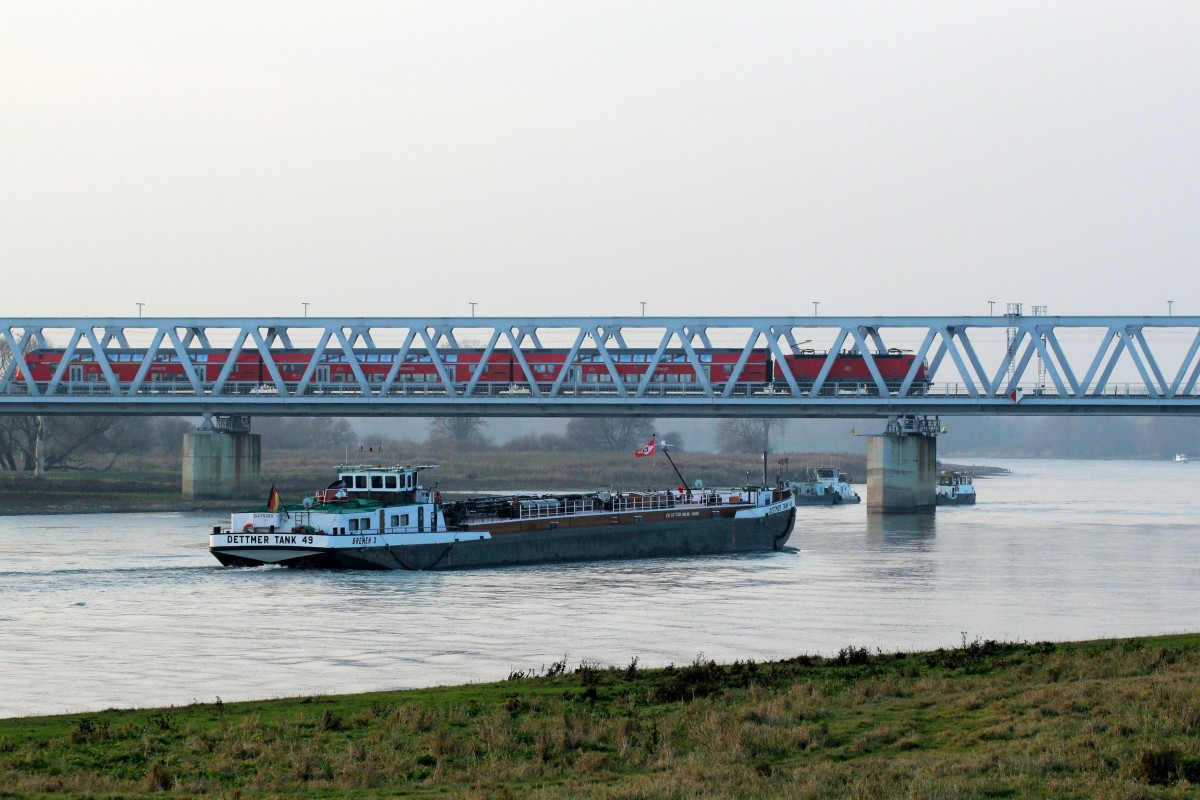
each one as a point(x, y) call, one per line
point(815, 304)
point(472, 305)
point(991, 308)
point(1170, 310)
point(139, 305)
point(305, 308)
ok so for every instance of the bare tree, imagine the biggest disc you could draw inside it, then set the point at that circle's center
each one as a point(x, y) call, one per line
point(305, 433)
point(609, 433)
point(747, 435)
point(460, 433)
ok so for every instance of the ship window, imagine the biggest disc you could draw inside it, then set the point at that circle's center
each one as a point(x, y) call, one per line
point(394, 521)
point(376, 481)
point(389, 481)
point(353, 524)
point(404, 520)
point(360, 481)
point(365, 524)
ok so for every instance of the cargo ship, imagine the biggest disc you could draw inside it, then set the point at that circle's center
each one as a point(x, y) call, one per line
point(377, 517)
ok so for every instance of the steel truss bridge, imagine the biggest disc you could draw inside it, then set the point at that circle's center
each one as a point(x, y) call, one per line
point(1007, 364)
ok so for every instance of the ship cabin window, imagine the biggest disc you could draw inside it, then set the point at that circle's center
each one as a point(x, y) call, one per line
point(376, 481)
point(360, 481)
point(353, 524)
point(389, 481)
point(404, 520)
point(364, 524)
point(394, 520)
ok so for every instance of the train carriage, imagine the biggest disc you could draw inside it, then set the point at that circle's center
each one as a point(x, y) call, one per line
point(672, 371)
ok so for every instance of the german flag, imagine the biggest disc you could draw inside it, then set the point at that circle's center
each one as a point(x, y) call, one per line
point(274, 504)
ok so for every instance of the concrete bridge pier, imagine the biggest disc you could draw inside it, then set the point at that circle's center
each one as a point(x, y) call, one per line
point(222, 460)
point(902, 467)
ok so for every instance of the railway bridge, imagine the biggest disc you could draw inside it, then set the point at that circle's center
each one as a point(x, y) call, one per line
point(908, 370)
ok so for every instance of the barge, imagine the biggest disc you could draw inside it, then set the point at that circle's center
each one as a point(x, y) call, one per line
point(376, 517)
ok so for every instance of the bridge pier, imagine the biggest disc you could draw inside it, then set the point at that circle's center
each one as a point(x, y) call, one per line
point(221, 460)
point(902, 467)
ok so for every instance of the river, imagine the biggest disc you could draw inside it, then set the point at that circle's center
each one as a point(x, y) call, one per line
point(121, 610)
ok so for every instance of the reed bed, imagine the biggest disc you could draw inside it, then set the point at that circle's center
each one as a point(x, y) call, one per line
point(1111, 719)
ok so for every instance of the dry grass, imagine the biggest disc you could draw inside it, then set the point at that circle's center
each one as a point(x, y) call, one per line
point(1095, 720)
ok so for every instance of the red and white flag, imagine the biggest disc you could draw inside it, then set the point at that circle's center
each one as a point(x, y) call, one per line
point(648, 450)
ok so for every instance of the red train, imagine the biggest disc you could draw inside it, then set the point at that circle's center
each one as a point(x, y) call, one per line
point(849, 372)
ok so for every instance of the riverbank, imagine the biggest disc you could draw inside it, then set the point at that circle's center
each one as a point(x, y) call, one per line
point(155, 484)
point(986, 719)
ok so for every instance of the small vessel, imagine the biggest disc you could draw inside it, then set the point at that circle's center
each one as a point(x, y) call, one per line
point(1180, 458)
point(824, 486)
point(376, 517)
point(955, 489)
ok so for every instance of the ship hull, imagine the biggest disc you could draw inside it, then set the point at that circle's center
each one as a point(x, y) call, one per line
point(826, 500)
point(956, 500)
point(648, 540)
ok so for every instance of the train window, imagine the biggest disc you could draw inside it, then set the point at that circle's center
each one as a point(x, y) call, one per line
point(623, 358)
point(137, 357)
point(386, 358)
point(706, 358)
point(199, 358)
point(728, 368)
point(451, 358)
point(372, 358)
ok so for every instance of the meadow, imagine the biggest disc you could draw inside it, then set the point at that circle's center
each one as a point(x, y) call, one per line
point(1101, 719)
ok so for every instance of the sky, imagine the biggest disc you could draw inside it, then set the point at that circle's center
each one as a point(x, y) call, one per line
point(581, 158)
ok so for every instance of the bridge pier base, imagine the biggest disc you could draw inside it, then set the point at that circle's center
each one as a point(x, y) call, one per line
point(221, 462)
point(902, 468)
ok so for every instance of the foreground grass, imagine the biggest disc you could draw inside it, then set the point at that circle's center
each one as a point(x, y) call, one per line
point(1114, 719)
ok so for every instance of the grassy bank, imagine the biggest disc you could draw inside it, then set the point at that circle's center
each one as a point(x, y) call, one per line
point(1085, 720)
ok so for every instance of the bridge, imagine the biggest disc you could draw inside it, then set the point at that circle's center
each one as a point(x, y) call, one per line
point(620, 366)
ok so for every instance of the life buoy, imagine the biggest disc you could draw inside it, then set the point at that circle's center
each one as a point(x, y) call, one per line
point(248, 527)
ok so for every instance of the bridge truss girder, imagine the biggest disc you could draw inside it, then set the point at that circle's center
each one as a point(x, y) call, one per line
point(976, 365)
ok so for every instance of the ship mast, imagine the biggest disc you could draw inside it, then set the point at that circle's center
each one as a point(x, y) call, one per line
point(667, 452)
